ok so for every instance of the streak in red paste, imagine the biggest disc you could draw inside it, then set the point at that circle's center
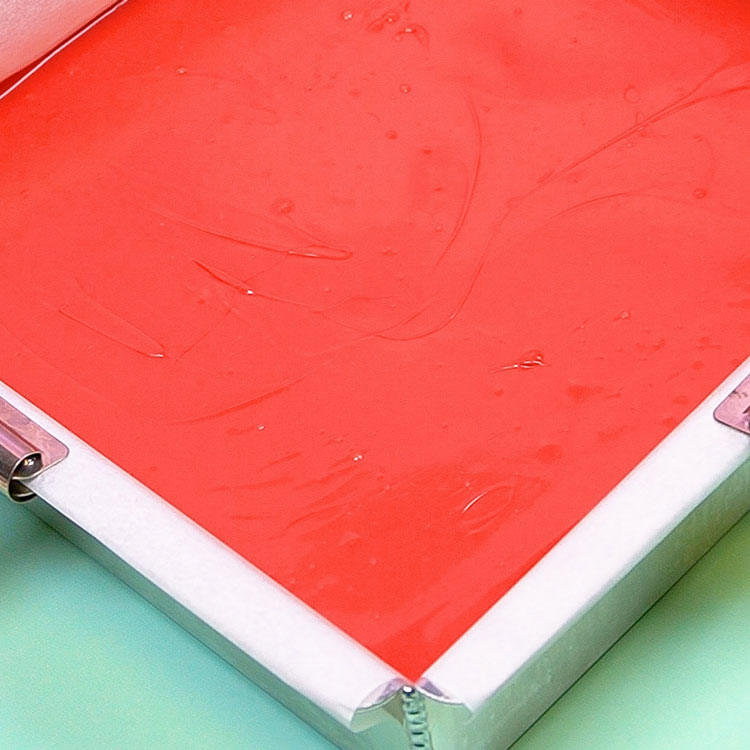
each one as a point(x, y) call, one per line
point(424, 280)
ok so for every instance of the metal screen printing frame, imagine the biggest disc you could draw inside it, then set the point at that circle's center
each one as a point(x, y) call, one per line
point(487, 688)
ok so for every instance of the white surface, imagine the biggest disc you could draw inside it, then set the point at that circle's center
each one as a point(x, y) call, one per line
point(640, 512)
point(30, 28)
point(194, 568)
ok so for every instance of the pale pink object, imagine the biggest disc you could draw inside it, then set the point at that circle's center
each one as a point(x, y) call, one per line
point(30, 29)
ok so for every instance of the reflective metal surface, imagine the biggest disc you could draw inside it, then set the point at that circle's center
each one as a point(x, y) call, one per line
point(734, 411)
point(25, 451)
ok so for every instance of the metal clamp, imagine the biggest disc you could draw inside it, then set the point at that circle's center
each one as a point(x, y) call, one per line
point(26, 450)
point(734, 410)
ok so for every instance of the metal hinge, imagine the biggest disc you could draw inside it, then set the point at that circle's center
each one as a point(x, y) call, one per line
point(734, 410)
point(415, 719)
point(26, 450)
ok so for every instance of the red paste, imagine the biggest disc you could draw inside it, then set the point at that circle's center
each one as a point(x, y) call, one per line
point(385, 297)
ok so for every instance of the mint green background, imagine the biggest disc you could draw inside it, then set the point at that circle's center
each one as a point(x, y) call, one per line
point(87, 664)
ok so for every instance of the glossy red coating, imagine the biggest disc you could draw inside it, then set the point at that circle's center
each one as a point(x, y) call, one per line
point(385, 296)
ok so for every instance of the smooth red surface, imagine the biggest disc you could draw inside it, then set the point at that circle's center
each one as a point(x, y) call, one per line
point(385, 297)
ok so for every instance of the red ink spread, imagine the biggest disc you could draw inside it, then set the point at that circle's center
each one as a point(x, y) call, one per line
point(386, 297)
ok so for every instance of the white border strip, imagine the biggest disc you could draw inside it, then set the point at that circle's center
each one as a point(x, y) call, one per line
point(620, 531)
point(232, 596)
